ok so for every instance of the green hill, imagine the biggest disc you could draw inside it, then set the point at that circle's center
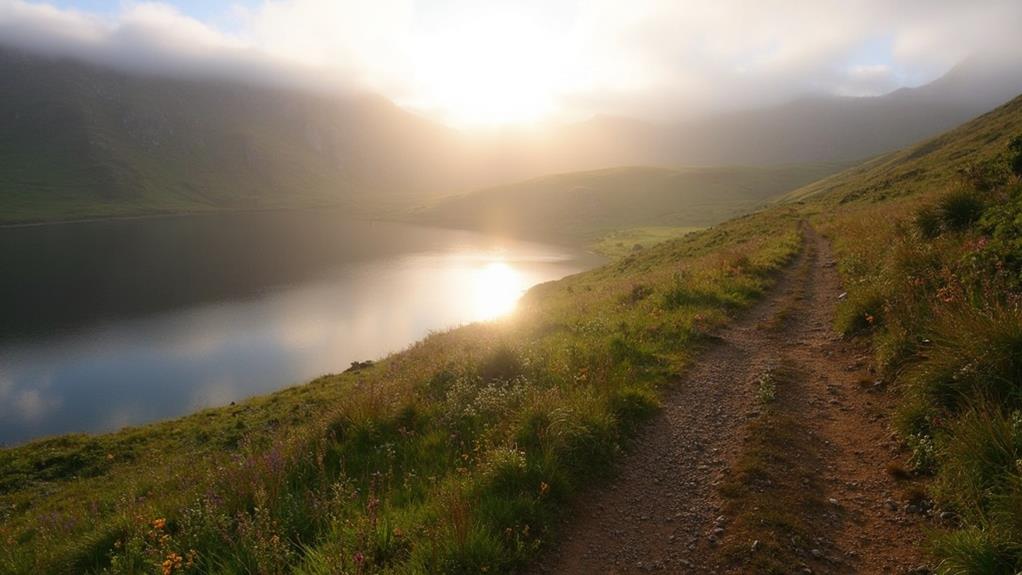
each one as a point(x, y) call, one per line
point(465, 452)
point(587, 205)
point(79, 141)
point(929, 245)
point(926, 165)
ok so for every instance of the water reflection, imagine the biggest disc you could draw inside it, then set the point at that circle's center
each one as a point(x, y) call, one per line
point(128, 371)
point(497, 289)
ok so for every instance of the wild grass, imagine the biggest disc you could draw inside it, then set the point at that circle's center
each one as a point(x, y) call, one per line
point(456, 455)
point(934, 278)
point(621, 243)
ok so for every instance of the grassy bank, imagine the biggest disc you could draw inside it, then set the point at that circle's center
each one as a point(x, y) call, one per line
point(622, 243)
point(933, 277)
point(582, 207)
point(455, 455)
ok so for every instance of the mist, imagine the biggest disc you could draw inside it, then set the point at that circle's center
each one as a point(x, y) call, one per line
point(565, 61)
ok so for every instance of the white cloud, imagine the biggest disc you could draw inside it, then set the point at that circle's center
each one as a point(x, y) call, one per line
point(26, 404)
point(871, 80)
point(653, 58)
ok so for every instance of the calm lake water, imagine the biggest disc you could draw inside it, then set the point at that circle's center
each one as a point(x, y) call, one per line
point(108, 324)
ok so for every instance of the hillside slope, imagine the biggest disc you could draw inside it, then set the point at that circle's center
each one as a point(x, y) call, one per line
point(453, 456)
point(80, 141)
point(464, 453)
point(588, 204)
point(927, 165)
point(814, 128)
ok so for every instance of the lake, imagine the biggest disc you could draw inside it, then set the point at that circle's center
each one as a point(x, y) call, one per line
point(116, 323)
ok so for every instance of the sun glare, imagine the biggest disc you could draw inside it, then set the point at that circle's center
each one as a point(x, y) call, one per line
point(499, 68)
point(497, 289)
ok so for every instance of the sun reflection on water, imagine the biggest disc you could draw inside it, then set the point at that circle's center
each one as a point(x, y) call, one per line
point(497, 287)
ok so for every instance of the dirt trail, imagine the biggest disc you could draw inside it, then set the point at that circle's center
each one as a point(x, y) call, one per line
point(663, 511)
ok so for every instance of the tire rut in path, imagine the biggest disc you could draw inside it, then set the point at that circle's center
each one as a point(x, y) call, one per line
point(658, 513)
point(866, 526)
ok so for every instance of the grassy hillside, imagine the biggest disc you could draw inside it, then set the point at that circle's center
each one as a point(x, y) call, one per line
point(929, 241)
point(588, 205)
point(460, 454)
point(79, 141)
point(455, 456)
point(969, 151)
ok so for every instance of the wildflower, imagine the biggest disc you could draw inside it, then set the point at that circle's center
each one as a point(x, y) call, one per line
point(159, 523)
point(172, 562)
point(544, 488)
point(359, 558)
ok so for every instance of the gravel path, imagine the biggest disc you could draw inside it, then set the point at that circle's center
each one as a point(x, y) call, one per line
point(659, 512)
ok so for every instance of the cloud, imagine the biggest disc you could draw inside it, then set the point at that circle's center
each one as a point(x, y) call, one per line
point(870, 80)
point(26, 404)
point(647, 58)
point(155, 39)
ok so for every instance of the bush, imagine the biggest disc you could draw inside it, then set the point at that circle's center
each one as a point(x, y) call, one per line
point(960, 209)
point(927, 221)
point(501, 364)
point(975, 354)
point(987, 175)
point(980, 477)
point(1015, 155)
point(978, 454)
point(970, 551)
point(861, 310)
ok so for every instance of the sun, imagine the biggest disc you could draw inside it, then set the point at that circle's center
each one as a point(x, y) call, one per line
point(489, 67)
point(497, 287)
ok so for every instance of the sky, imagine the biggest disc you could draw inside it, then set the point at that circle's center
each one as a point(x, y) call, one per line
point(472, 62)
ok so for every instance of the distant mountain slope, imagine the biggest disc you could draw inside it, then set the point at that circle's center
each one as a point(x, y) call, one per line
point(924, 165)
point(810, 129)
point(80, 141)
point(587, 204)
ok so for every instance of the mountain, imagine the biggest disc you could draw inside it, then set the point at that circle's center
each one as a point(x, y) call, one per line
point(928, 165)
point(583, 205)
point(81, 141)
point(462, 452)
point(809, 129)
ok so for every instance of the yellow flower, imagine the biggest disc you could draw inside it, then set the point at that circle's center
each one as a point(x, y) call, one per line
point(172, 562)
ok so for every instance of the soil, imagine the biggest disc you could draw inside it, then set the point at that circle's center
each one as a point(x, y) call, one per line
point(663, 511)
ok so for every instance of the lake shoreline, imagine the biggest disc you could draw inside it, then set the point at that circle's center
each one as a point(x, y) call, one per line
point(235, 307)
